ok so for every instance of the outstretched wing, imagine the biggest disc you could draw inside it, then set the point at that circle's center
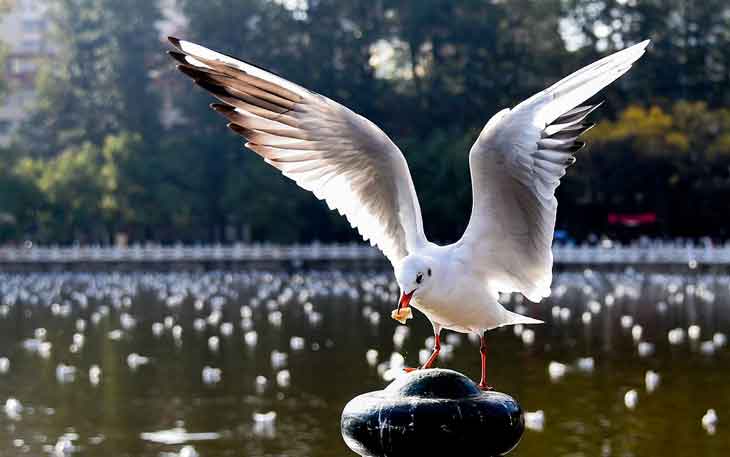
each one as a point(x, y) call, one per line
point(516, 165)
point(327, 149)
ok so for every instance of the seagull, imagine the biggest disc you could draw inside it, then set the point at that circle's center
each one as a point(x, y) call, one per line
point(344, 159)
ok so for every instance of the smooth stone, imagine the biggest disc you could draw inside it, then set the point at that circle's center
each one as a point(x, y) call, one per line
point(428, 412)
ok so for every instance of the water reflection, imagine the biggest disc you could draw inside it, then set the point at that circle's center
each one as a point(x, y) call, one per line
point(261, 364)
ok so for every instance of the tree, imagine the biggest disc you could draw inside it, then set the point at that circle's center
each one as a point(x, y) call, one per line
point(675, 163)
point(100, 82)
point(690, 53)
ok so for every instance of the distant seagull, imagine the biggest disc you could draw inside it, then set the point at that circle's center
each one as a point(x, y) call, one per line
point(516, 165)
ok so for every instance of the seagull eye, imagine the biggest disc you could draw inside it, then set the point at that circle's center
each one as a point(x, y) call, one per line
point(429, 272)
point(419, 278)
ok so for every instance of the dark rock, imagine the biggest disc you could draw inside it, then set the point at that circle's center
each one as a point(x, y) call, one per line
point(429, 412)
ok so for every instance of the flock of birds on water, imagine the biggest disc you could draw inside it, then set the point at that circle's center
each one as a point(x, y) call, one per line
point(110, 296)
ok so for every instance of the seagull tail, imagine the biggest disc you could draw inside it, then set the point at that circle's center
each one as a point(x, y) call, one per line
point(511, 318)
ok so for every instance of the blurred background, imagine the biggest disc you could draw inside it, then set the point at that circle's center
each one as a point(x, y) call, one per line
point(164, 293)
point(103, 141)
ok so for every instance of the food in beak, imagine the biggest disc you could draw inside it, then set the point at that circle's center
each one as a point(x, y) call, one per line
point(403, 312)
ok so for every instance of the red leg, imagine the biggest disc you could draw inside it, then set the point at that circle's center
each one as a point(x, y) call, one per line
point(483, 350)
point(435, 353)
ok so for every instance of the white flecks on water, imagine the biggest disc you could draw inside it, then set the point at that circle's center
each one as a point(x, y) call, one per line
point(694, 332)
point(423, 356)
point(709, 421)
point(13, 408)
point(188, 451)
point(528, 337)
point(586, 317)
point(64, 447)
point(264, 424)
point(296, 343)
point(177, 332)
point(275, 318)
point(95, 375)
point(372, 357)
point(199, 324)
point(555, 312)
point(636, 332)
point(557, 370)
point(177, 436)
point(517, 329)
point(261, 383)
point(399, 336)
point(627, 321)
point(453, 339)
point(631, 399)
point(227, 329)
point(251, 338)
point(65, 373)
point(214, 343)
point(565, 314)
point(535, 420)
point(134, 361)
point(645, 349)
point(278, 312)
point(157, 328)
point(707, 347)
point(393, 367)
point(278, 359)
point(283, 378)
point(651, 380)
point(676, 336)
point(719, 340)
point(211, 375)
point(586, 364)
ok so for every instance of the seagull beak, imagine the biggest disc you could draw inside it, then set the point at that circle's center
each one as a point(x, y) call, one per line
point(405, 299)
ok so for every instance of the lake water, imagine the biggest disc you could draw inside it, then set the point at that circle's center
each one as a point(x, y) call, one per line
point(294, 346)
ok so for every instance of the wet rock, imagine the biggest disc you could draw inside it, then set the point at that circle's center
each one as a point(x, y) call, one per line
point(429, 412)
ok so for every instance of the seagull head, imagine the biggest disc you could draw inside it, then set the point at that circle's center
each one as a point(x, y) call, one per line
point(414, 275)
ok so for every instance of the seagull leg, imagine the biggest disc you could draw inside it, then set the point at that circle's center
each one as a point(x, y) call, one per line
point(436, 350)
point(483, 350)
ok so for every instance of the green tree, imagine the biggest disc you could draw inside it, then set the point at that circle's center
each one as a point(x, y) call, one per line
point(72, 186)
point(100, 83)
point(675, 163)
point(690, 53)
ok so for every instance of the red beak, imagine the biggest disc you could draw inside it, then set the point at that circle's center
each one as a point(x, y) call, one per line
point(405, 299)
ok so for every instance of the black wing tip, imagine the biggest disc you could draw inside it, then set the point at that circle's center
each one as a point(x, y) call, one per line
point(222, 107)
point(191, 72)
point(178, 56)
point(239, 129)
point(175, 42)
point(211, 87)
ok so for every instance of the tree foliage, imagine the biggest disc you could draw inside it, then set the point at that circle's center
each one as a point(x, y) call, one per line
point(100, 82)
point(94, 159)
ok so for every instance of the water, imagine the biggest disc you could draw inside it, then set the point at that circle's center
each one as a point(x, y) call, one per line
point(113, 364)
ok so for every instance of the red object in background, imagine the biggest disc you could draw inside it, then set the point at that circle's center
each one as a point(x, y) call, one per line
point(631, 220)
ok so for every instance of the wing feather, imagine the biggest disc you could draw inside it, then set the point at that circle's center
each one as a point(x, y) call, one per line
point(516, 165)
point(325, 148)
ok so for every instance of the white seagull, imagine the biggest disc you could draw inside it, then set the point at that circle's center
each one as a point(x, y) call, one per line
point(516, 165)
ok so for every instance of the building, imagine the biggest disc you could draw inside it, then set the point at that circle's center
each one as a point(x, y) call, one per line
point(24, 35)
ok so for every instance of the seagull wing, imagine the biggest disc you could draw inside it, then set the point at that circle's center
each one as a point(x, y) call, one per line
point(516, 165)
point(324, 147)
